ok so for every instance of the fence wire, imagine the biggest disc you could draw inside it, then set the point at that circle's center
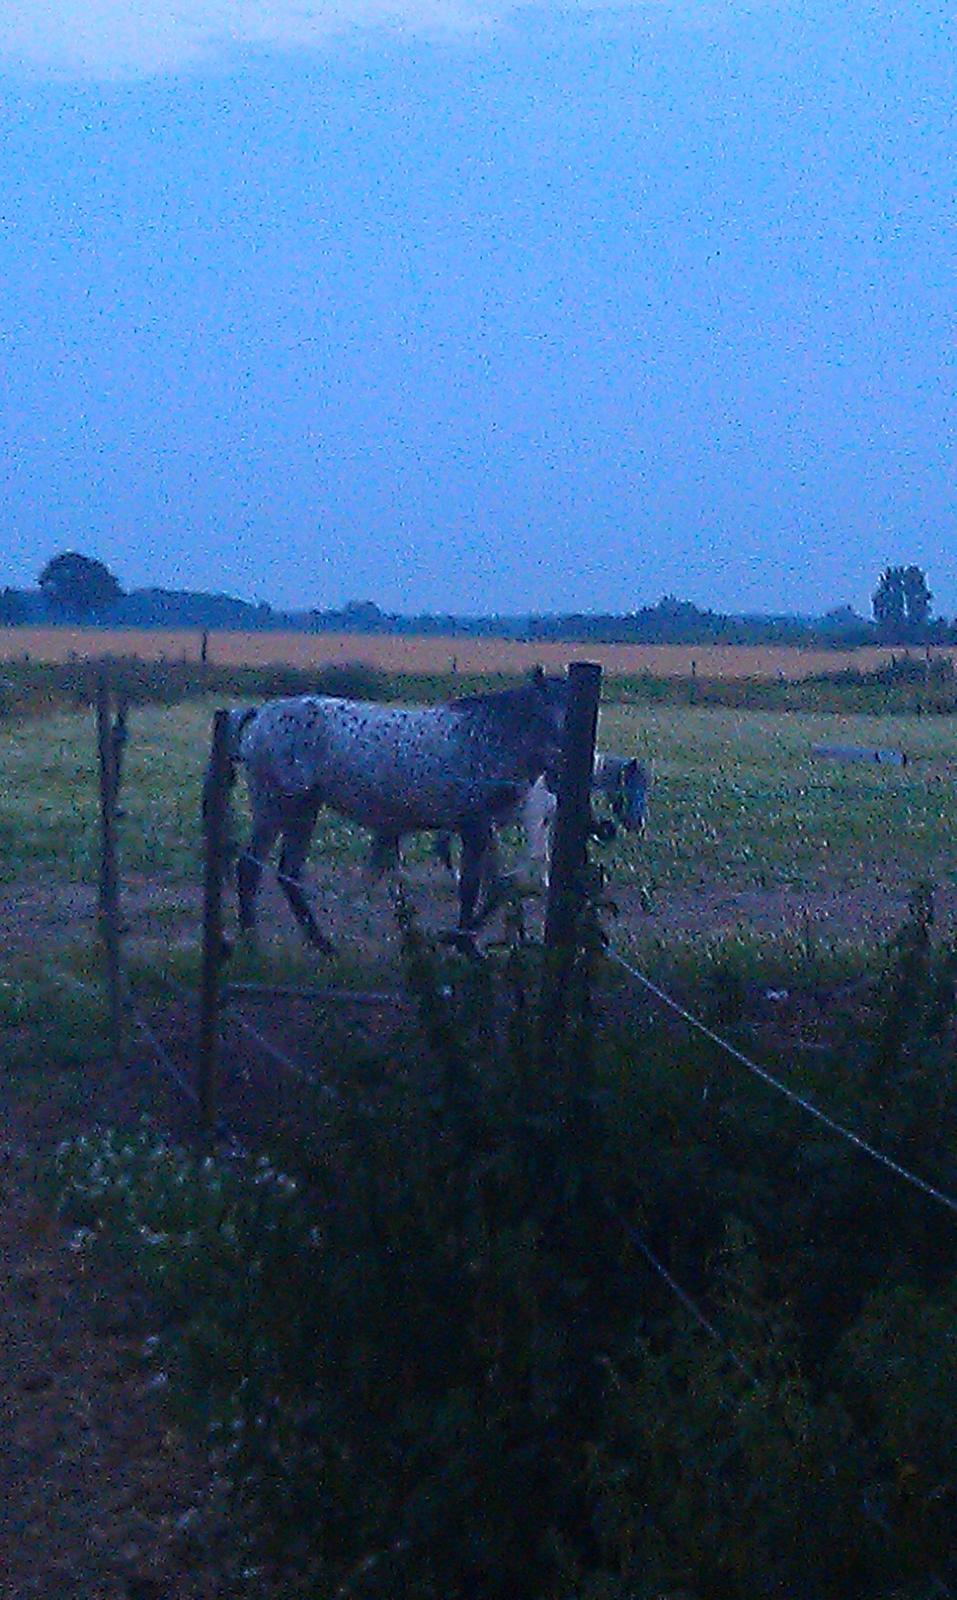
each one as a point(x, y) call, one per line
point(806, 1105)
point(163, 1058)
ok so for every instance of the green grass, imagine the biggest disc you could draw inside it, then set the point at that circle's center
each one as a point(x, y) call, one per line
point(738, 801)
point(52, 1017)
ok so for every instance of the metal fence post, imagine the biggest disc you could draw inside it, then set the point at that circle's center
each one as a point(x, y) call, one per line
point(216, 796)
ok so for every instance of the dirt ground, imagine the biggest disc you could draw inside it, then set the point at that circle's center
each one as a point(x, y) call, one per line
point(41, 917)
point(102, 1498)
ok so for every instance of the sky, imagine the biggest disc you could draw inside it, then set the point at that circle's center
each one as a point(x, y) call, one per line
point(475, 306)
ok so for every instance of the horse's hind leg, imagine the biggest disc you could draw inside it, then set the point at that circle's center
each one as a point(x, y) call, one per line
point(249, 868)
point(384, 855)
point(479, 869)
point(443, 851)
point(296, 838)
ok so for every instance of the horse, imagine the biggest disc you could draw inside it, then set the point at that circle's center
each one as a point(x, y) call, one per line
point(623, 781)
point(461, 767)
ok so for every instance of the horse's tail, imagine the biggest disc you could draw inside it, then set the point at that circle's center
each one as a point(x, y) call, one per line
point(237, 722)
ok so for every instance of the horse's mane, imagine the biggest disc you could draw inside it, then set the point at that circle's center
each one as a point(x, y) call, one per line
point(489, 700)
point(504, 700)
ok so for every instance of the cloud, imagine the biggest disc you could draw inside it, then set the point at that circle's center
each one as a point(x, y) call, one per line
point(121, 38)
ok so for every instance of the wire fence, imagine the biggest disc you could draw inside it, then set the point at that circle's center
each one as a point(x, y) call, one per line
point(161, 1055)
point(220, 1002)
point(775, 1083)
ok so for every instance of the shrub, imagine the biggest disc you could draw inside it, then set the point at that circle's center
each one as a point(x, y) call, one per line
point(430, 1345)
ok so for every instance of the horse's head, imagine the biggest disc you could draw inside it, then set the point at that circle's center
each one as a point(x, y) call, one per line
point(550, 695)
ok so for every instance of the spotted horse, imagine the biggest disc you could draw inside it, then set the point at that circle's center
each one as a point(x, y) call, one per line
point(462, 767)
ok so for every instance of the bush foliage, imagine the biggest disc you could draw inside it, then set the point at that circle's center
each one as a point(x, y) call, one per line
point(435, 1353)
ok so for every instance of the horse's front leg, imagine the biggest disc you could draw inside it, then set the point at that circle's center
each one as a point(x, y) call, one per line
point(538, 820)
point(296, 838)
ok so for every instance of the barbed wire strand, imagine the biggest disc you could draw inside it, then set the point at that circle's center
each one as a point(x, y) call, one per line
point(691, 1306)
point(172, 1070)
point(782, 1088)
point(163, 1056)
point(278, 1055)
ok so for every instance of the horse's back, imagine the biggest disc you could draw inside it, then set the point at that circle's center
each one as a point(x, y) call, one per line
point(400, 767)
point(381, 765)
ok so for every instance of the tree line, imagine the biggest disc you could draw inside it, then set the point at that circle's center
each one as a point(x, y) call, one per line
point(76, 588)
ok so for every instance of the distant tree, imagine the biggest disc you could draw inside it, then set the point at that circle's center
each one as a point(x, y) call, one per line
point(917, 598)
point(363, 615)
point(888, 601)
point(13, 607)
point(79, 586)
point(902, 603)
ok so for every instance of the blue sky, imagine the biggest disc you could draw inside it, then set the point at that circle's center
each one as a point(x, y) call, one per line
point(474, 307)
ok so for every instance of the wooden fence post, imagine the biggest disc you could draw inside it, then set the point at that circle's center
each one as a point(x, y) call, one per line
point(573, 813)
point(566, 885)
point(108, 748)
point(215, 805)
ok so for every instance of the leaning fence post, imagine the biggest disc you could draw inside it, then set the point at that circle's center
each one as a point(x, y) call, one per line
point(108, 748)
point(215, 800)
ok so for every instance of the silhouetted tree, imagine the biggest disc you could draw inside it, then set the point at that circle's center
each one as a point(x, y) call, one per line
point(13, 608)
point(917, 598)
point(902, 602)
point(79, 586)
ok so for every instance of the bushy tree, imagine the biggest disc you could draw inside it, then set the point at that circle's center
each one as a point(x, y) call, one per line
point(917, 598)
point(79, 586)
point(902, 602)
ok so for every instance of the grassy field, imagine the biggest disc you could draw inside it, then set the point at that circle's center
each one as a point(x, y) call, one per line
point(753, 844)
point(395, 653)
point(739, 802)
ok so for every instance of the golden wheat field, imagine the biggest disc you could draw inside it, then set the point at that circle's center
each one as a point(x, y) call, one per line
point(399, 653)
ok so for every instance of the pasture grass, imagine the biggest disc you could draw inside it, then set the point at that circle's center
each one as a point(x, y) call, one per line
point(739, 801)
point(52, 1020)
